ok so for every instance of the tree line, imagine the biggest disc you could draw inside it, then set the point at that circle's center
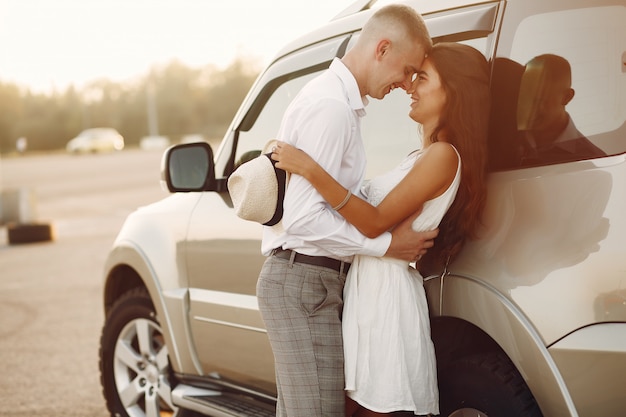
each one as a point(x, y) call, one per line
point(186, 101)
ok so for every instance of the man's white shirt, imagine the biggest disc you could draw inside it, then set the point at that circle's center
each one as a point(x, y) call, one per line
point(324, 120)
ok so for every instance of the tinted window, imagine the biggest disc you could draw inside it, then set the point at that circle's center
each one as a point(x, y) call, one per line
point(559, 94)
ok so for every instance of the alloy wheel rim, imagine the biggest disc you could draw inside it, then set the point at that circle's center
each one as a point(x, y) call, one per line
point(141, 370)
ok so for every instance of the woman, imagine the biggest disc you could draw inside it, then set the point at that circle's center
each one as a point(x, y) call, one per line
point(389, 355)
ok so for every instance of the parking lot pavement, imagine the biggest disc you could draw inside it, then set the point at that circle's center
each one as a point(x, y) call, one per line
point(50, 292)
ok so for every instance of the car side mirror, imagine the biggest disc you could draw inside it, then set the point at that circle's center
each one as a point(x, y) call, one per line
point(188, 168)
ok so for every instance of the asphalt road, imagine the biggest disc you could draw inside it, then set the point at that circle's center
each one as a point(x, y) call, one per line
point(50, 293)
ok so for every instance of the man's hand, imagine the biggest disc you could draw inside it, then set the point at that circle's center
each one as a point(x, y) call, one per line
point(407, 244)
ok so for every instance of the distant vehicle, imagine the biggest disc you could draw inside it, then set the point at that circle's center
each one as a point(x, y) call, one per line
point(99, 139)
point(154, 142)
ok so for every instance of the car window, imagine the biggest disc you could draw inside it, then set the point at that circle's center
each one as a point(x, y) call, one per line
point(559, 94)
point(388, 132)
point(268, 121)
point(258, 119)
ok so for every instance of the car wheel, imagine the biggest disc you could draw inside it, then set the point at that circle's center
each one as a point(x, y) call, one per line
point(484, 385)
point(29, 233)
point(134, 365)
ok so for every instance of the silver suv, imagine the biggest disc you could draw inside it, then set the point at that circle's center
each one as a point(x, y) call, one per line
point(530, 320)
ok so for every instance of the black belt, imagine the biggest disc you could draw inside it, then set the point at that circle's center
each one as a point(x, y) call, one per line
point(312, 260)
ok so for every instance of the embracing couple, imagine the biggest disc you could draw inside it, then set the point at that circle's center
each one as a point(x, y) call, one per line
point(345, 312)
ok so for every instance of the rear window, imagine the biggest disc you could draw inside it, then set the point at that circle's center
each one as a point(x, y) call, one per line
point(560, 94)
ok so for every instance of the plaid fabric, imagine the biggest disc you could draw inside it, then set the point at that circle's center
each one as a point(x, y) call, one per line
point(301, 306)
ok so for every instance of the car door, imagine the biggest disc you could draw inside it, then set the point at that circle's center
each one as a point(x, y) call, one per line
point(223, 252)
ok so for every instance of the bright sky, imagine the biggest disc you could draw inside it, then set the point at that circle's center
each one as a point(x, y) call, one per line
point(46, 44)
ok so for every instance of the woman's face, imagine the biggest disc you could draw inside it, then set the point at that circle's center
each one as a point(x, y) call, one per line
point(428, 97)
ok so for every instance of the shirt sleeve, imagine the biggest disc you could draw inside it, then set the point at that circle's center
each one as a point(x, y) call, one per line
point(326, 131)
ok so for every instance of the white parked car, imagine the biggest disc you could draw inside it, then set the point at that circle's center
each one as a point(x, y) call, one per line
point(98, 139)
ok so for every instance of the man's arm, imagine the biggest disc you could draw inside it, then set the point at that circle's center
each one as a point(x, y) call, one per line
point(408, 244)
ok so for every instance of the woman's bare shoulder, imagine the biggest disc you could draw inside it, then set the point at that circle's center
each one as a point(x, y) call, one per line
point(442, 153)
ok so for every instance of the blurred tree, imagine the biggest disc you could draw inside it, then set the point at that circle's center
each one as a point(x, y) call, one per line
point(187, 101)
point(10, 111)
point(174, 97)
point(47, 120)
point(226, 90)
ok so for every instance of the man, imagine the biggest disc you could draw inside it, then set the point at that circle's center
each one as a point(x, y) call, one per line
point(300, 287)
point(550, 133)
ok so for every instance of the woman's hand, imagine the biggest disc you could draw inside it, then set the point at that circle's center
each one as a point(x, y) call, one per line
point(292, 159)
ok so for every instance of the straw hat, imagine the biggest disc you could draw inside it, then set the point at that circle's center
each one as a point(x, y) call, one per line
point(257, 189)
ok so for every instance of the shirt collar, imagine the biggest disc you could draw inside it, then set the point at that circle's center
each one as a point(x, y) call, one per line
point(357, 102)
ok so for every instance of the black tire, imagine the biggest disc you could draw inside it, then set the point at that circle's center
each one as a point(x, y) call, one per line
point(18, 233)
point(485, 385)
point(136, 379)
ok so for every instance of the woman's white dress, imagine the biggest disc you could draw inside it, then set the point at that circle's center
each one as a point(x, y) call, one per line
point(389, 355)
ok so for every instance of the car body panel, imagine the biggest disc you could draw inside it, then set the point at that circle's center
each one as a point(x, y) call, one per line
point(223, 252)
point(546, 233)
point(140, 246)
point(593, 359)
point(482, 305)
point(548, 230)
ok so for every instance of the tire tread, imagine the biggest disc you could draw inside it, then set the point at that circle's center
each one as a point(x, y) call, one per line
point(461, 382)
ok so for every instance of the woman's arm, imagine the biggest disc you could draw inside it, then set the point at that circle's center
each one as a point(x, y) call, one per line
point(428, 178)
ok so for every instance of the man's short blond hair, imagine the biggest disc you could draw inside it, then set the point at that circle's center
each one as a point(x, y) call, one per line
point(401, 22)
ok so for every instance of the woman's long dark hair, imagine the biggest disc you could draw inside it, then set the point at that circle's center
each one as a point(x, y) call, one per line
point(464, 74)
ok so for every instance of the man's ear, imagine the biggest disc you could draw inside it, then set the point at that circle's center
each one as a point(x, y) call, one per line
point(382, 48)
point(568, 96)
